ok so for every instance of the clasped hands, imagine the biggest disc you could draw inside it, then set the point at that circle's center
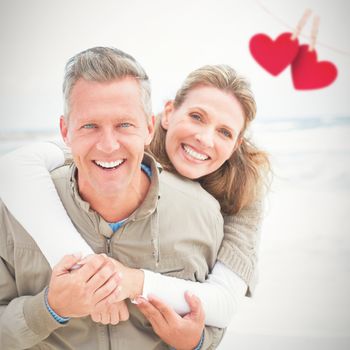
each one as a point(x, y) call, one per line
point(99, 288)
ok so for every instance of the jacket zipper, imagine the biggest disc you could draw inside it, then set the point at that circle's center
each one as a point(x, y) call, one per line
point(108, 246)
point(108, 250)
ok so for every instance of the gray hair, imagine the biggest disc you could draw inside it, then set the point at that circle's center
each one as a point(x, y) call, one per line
point(104, 64)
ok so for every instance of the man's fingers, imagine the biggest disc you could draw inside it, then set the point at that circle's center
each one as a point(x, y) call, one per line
point(66, 263)
point(102, 276)
point(151, 313)
point(90, 265)
point(168, 313)
point(196, 309)
point(108, 293)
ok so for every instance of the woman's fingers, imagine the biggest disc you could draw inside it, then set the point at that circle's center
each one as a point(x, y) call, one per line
point(114, 314)
point(96, 317)
point(105, 317)
point(111, 314)
point(123, 311)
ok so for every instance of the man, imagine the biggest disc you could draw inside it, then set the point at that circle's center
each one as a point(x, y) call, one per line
point(107, 124)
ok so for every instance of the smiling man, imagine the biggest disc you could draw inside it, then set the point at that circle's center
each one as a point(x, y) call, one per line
point(122, 206)
point(107, 131)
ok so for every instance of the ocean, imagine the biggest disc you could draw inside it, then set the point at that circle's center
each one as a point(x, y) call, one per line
point(302, 299)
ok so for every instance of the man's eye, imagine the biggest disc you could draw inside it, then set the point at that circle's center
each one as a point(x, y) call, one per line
point(226, 133)
point(196, 116)
point(89, 126)
point(125, 125)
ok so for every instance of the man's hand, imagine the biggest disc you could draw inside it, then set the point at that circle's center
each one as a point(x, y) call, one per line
point(131, 280)
point(182, 333)
point(111, 313)
point(75, 293)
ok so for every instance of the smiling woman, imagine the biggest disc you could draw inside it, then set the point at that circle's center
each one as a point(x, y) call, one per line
point(210, 114)
point(203, 132)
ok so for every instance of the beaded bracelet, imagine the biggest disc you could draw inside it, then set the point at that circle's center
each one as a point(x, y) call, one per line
point(199, 346)
point(59, 319)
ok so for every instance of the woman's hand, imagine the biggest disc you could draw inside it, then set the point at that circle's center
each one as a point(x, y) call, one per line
point(111, 314)
point(129, 280)
point(131, 284)
point(182, 333)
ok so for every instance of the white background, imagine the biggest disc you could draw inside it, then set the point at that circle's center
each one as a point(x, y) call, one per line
point(169, 38)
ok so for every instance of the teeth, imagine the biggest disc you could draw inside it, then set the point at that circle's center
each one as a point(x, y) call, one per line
point(194, 154)
point(109, 165)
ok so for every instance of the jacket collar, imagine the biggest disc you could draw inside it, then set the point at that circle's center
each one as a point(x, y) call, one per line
point(147, 207)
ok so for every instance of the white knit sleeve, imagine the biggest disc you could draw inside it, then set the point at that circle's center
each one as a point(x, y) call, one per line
point(220, 294)
point(28, 192)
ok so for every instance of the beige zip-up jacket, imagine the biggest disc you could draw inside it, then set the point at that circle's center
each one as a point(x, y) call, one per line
point(176, 231)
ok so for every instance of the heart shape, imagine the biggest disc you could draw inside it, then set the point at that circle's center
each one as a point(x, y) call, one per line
point(308, 74)
point(274, 55)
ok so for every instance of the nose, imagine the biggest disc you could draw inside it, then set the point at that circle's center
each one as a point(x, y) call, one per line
point(108, 142)
point(206, 137)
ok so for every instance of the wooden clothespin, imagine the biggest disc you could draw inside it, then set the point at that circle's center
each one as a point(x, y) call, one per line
point(301, 23)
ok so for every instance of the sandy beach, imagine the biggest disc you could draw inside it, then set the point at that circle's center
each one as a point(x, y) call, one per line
point(302, 299)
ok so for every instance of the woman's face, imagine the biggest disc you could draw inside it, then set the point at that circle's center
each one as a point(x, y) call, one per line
point(203, 132)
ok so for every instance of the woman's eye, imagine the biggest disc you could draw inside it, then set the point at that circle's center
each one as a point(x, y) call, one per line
point(196, 116)
point(89, 126)
point(226, 133)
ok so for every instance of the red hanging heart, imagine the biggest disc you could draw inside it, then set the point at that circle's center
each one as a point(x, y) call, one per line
point(274, 56)
point(308, 74)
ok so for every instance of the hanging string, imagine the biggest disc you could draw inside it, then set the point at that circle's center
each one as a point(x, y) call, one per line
point(291, 28)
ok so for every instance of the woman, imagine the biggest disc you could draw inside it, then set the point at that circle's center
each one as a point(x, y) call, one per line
point(199, 136)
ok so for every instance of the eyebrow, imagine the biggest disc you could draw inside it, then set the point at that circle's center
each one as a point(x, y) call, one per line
point(92, 119)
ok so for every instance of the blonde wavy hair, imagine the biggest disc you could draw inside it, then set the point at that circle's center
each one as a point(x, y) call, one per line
point(241, 179)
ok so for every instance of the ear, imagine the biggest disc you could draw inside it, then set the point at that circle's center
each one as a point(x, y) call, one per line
point(150, 130)
point(166, 115)
point(238, 143)
point(64, 129)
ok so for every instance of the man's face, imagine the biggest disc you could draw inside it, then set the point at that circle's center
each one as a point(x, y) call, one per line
point(107, 131)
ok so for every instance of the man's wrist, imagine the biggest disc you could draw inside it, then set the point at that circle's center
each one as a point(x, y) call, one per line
point(198, 346)
point(58, 318)
point(201, 341)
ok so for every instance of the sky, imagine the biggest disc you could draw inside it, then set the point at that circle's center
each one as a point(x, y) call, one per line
point(169, 38)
